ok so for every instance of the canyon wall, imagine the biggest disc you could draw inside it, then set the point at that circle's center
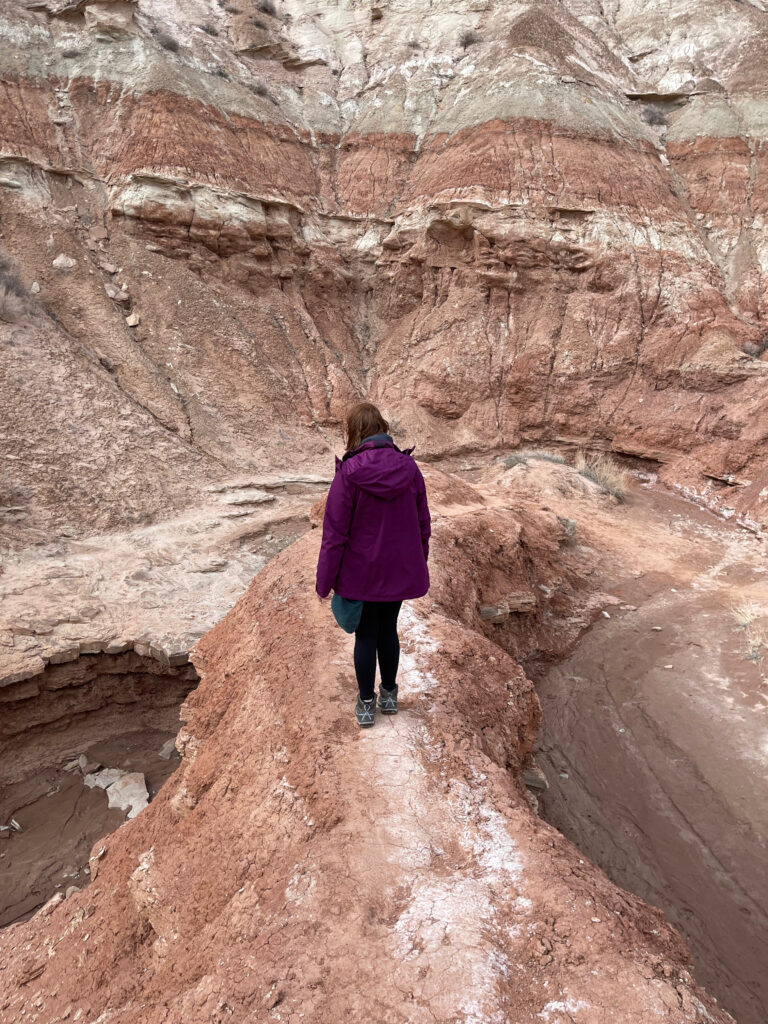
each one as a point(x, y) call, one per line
point(222, 222)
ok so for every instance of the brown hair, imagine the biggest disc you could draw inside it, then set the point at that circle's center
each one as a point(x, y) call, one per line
point(363, 420)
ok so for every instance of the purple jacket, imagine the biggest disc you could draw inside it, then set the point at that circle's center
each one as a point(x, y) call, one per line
point(376, 527)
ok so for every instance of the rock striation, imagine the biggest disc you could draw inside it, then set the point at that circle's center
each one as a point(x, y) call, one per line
point(540, 221)
point(521, 221)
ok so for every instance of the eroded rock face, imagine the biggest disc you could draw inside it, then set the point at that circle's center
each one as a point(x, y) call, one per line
point(536, 220)
point(290, 857)
point(503, 222)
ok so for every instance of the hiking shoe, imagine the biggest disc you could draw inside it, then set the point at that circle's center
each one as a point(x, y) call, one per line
point(364, 712)
point(388, 701)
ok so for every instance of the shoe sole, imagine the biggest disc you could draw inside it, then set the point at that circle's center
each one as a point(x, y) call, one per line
point(385, 712)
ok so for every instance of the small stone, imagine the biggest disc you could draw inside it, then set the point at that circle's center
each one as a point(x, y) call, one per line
point(129, 793)
point(167, 748)
point(108, 268)
point(117, 294)
point(132, 320)
point(103, 779)
point(35, 288)
point(669, 666)
point(71, 890)
point(657, 629)
point(64, 262)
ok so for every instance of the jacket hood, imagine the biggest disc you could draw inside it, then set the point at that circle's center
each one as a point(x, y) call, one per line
point(382, 471)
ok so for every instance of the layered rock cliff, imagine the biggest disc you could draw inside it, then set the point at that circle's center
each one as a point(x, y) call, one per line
point(219, 224)
point(528, 220)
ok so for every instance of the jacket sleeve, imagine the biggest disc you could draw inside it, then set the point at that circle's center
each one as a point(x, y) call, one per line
point(337, 520)
point(425, 520)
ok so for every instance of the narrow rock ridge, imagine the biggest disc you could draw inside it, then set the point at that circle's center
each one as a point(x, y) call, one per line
point(290, 856)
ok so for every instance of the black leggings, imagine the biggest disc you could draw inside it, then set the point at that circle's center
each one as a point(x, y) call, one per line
point(377, 634)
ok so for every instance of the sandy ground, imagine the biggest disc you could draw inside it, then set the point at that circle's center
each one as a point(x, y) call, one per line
point(654, 736)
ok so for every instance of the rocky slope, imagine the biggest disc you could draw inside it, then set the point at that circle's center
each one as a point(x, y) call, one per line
point(503, 221)
point(221, 222)
point(294, 867)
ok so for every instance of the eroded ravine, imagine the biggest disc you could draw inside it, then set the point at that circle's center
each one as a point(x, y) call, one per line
point(654, 737)
point(85, 744)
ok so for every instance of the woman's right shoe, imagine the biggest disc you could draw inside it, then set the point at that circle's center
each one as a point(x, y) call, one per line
point(364, 712)
point(388, 701)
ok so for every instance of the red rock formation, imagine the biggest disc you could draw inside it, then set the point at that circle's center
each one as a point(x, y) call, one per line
point(293, 865)
point(540, 221)
point(521, 237)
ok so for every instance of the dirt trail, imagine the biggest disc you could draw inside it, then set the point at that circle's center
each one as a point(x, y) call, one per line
point(655, 740)
point(436, 841)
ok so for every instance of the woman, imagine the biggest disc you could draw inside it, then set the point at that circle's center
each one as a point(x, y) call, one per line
point(375, 548)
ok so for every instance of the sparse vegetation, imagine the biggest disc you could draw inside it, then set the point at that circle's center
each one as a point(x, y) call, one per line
point(267, 7)
point(468, 38)
point(376, 14)
point(14, 301)
point(756, 642)
point(653, 116)
point(260, 89)
point(744, 614)
point(755, 348)
point(258, 22)
point(521, 457)
point(69, 54)
point(167, 42)
point(414, 44)
point(570, 530)
point(221, 72)
point(210, 29)
point(605, 472)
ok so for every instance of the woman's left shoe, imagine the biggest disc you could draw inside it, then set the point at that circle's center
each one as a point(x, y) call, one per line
point(388, 700)
point(365, 711)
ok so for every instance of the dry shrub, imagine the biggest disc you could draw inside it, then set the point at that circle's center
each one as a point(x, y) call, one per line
point(14, 301)
point(167, 42)
point(570, 531)
point(744, 614)
point(603, 471)
point(756, 641)
point(521, 457)
point(468, 38)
